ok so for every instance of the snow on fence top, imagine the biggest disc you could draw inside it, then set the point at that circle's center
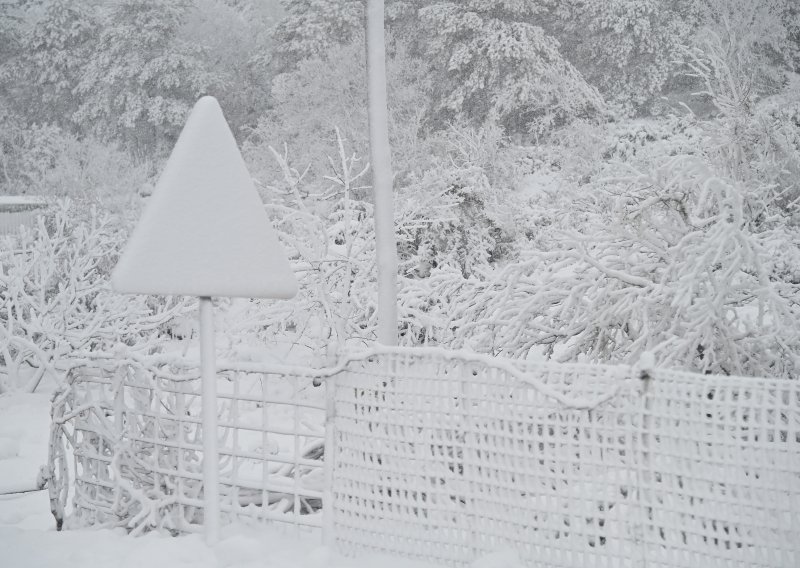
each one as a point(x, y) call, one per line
point(205, 231)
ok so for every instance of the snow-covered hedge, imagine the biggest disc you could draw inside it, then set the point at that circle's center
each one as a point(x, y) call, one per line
point(56, 301)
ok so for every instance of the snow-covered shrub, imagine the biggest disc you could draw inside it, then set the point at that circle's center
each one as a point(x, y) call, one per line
point(673, 235)
point(641, 141)
point(679, 269)
point(327, 228)
point(450, 222)
point(56, 301)
point(458, 213)
point(45, 161)
point(452, 226)
point(326, 95)
point(25, 153)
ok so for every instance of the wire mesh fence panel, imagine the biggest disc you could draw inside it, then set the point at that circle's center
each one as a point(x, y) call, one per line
point(720, 474)
point(136, 437)
point(449, 457)
point(91, 436)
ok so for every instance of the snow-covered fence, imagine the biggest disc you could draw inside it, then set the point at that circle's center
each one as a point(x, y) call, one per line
point(448, 456)
point(135, 434)
point(19, 211)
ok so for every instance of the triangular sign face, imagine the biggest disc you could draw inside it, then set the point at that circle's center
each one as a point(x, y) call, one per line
point(205, 231)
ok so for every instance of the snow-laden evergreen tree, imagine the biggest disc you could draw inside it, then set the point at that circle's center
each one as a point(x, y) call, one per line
point(54, 52)
point(485, 59)
point(141, 80)
point(627, 48)
point(236, 49)
point(491, 59)
point(311, 27)
point(9, 22)
point(9, 48)
point(323, 95)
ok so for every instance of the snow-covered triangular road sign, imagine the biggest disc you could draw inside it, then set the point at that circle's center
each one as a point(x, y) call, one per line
point(205, 231)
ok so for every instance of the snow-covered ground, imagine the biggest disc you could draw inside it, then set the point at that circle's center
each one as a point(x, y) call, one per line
point(28, 538)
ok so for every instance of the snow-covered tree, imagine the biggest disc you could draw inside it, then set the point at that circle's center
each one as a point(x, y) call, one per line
point(312, 101)
point(237, 46)
point(9, 22)
point(458, 213)
point(761, 34)
point(485, 59)
point(54, 52)
point(141, 80)
point(494, 61)
point(311, 27)
point(627, 48)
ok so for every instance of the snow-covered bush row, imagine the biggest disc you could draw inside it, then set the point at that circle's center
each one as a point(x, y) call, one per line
point(449, 220)
point(675, 269)
point(673, 234)
point(678, 237)
point(56, 301)
point(628, 223)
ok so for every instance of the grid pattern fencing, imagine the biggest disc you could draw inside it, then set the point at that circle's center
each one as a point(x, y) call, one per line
point(451, 456)
point(446, 456)
point(135, 431)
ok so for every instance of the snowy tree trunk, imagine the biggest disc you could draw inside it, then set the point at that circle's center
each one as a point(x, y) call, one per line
point(382, 175)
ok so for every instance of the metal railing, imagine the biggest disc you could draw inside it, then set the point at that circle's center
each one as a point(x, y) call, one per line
point(135, 432)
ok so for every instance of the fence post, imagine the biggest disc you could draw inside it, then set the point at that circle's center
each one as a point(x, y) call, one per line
point(643, 371)
point(328, 526)
point(118, 385)
point(469, 460)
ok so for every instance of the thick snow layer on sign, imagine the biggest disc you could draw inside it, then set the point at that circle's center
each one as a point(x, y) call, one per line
point(205, 231)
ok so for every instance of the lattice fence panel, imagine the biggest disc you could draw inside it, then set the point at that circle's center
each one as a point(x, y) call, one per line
point(720, 479)
point(442, 457)
point(136, 434)
point(446, 456)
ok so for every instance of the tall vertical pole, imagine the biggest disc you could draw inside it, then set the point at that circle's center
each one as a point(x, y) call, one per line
point(380, 158)
point(208, 373)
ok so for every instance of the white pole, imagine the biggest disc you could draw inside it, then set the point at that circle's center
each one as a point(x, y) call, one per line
point(210, 451)
point(328, 524)
point(381, 161)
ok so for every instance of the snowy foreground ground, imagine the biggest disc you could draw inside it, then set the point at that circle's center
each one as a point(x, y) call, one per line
point(28, 538)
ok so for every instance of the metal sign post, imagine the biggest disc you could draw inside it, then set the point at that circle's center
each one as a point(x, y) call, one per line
point(208, 373)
